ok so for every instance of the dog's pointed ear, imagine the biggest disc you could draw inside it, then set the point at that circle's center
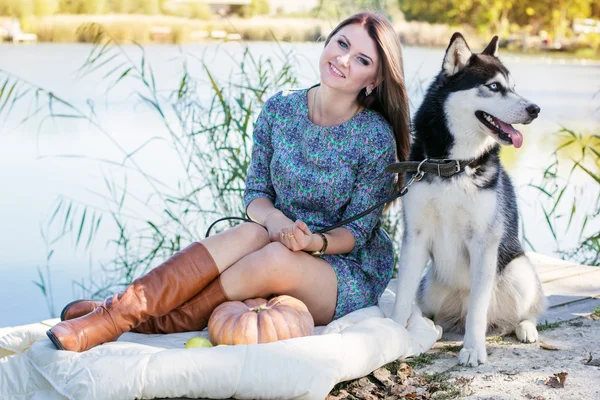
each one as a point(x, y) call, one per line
point(492, 48)
point(457, 55)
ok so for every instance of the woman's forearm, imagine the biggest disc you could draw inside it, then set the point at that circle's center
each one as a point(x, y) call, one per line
point(261, 209)
point(339, 240)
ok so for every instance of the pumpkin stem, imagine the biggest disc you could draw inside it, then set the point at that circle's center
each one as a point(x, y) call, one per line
point(259, 309)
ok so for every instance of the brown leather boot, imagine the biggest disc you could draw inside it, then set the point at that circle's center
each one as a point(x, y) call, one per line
point(155, 294)
point(78, 308)
point(192, 315)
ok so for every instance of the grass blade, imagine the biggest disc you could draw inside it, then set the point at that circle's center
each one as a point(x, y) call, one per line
point(590, 173)
point(81, 226)
point(549, 223)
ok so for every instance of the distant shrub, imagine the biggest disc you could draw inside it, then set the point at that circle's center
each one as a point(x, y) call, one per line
point(16, 8)
point(82, 6)
point(45, 7)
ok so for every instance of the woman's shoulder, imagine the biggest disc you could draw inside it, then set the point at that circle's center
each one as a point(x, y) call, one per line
point(287, 100)
point(378, 130)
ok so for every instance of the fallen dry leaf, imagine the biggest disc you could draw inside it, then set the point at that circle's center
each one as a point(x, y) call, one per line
point(546, 346)
point(383, 376)
point(342, 394)
point(363, 394)
point(363, 389)
point(534, 397)
point(506, 372)
point(404, 372)
point(556, 381)
point(405, 369)
point(405, 391)
point(365, 383)
point(463, 380)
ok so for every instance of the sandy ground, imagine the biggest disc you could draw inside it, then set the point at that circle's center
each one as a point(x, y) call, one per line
point(513, 370)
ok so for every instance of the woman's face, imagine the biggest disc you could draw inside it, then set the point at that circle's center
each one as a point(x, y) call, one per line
point(350, 61)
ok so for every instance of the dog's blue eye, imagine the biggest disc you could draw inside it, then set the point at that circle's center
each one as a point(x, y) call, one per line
point(494, 87)
point(342, 44)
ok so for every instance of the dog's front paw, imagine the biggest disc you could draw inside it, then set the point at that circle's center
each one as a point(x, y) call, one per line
point(472, 356)
point(527, 332)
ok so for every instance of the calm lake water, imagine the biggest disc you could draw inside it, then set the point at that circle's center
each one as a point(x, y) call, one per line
point(32, 177)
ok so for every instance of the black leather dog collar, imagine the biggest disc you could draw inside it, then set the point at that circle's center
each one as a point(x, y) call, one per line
point(443, 168)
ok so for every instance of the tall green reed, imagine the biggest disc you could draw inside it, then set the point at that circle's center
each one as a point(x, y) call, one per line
point(578, 155)
point(210, 135)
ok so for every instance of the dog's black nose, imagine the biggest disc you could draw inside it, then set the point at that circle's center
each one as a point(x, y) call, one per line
point(533, 110)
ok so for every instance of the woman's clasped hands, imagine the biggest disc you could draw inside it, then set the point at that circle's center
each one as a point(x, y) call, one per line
point(296, 236)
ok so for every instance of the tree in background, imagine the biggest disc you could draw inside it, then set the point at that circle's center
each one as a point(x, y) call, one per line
point(199, 11)
point(82, 6)
point(196, 10)
point(16, 8)
point(120, 6)
point(256, 7)
point(428, 11)
point(496, 15)
point(150, 7)
point(45, 7)
point(339, 9)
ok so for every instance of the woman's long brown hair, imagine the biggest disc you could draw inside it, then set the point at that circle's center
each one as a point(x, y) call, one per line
point(390, 97)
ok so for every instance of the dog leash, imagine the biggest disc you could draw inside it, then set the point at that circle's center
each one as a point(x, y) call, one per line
point(440, 167)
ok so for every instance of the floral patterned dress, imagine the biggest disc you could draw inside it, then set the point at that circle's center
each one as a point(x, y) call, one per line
point(322, 175)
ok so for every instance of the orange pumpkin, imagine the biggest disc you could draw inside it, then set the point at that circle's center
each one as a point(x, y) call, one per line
point(259, 321)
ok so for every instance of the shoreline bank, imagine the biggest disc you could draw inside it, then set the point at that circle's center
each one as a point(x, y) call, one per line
point(146, 29)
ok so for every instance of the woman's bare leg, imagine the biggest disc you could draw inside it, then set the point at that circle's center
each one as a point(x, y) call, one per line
point(274, 269)
point(225, 248)
point(186, 274)
point(228, 247)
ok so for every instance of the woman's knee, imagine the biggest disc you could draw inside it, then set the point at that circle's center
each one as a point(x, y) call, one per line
point(278, 267)
point(251, 232)
point(261, 273)
point(231, 245)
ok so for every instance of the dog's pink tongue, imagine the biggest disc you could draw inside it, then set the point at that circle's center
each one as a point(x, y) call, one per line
point(515, 135)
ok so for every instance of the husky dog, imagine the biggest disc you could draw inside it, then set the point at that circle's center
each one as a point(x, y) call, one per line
point(480, 279)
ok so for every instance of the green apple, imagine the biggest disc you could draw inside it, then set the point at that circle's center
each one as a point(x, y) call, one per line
point(197, 341)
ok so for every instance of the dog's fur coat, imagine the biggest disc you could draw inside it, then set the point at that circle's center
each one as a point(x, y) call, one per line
point(480, 279)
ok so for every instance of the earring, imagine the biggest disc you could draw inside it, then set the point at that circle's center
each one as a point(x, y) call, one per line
point(368, 91)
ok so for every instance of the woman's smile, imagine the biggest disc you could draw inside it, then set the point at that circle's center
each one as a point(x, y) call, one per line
point(336, 71)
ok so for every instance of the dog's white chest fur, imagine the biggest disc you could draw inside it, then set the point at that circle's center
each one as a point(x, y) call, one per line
point(454, 217)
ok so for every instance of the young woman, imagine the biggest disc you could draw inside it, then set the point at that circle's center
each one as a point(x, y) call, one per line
point(319, 157)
